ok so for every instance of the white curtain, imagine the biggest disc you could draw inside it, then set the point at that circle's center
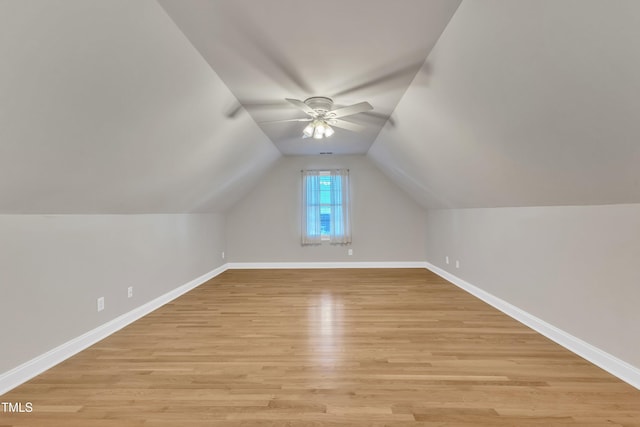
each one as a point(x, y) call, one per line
point(325, 207)
point(311, 208)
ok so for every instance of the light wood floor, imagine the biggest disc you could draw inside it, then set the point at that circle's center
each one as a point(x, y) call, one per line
point(326, 348)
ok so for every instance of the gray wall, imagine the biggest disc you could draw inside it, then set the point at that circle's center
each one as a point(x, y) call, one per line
point(107, 108)
point(265, 226)
point(523, 103)
point(573, 267)
point(54, 267)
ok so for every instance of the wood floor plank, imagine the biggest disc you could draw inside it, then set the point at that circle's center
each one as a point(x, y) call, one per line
point(362, 347)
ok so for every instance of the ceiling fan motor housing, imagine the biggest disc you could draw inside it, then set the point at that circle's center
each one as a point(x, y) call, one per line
point(321, 104)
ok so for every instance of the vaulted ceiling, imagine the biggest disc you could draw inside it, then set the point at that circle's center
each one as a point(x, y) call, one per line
point(527, 103)
point(132, 107)
point(351, 51)
point(105, 107)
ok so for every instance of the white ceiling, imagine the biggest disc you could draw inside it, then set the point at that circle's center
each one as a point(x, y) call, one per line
point(266, 51)
point(528, 103)
point(107, 107)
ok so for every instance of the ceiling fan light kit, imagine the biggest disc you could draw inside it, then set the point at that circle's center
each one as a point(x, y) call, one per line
point(319, 108)
point(318, 129)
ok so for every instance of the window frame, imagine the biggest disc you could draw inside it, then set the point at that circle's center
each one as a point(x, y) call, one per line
point(339, 230)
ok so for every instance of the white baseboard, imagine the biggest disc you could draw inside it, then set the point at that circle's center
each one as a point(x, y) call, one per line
point(39, 364)
point(617, 367)
point(20, 374)
point(305, 265)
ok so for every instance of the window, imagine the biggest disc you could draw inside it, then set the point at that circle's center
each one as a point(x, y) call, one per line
point(325, 207)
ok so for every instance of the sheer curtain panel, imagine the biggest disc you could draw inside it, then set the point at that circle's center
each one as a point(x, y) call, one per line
point(325, 207)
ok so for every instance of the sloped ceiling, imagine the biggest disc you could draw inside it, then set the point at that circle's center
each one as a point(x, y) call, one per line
point(105, 107)
point(527, 103)
point(351, 51)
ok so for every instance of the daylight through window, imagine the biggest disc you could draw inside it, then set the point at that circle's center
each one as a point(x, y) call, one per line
point(325, 207)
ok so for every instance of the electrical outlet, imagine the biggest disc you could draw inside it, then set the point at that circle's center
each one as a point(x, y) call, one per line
point(223, 255)
point(457, 264)
point(446, 259)
point(100, 303)
point(129, 291)
point(350, 251)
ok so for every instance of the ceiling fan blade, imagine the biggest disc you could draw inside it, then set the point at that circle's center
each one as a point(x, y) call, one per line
point(354, 127)
point(232, 112)
point(288, 120)
point(398, 77)
point(280, 63)
point(304, 107)
point(380, 116)
point(257, 48)
point(351, 109)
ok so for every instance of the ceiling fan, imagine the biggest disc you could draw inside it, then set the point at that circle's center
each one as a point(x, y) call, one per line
point(322, 116)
